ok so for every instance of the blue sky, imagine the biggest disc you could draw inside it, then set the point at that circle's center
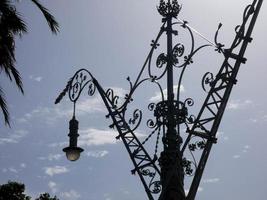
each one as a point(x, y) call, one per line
point(111, 39)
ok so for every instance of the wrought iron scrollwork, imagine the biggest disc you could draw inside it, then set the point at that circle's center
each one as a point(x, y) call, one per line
point(76, 85)
point(155, 187)
point(114, 99)
point(190, 165)
point(161, 60)
point(151, 123)
point(135, 120)
point(207, 80)
point(187, 166)
point(240, 29)
point(219, 46)
point(189, 102)
point(178, 51)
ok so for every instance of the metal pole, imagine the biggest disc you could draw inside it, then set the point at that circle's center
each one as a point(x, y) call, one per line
point(171, 158)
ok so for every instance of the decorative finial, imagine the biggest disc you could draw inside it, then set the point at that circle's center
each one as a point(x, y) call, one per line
point(169, 8)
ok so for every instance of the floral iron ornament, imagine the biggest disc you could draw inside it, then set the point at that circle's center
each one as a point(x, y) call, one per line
point(162, 173)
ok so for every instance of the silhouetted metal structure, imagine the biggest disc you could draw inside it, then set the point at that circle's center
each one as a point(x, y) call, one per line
point(163, 176)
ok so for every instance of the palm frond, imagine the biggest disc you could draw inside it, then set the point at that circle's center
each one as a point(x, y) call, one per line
point(7, 58)
point(11, 71)
point(10, 19)
point(7, 48)
point(7, 71)
point(52, 23)
point(4, 5)
point(4, 108)
point(15, 23)
point(17, 78)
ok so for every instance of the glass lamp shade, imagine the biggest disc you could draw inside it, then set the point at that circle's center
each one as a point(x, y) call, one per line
point(73, 153)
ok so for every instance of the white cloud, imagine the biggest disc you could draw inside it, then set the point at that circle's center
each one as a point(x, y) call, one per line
point(238, 104)
point(253, 120)
point(119, 91)
point(236, 156)
point(14, 137)
point(126, 192)
point(71, 195)
point(51, 171)
point(21, 120)
point(93, 136)
point(4, 170)
point(51, 157)
point(53, 186)
point(12, 169)
point(211, 180)
point(95, 104)
point(97, 154)
point(199, 189)
point(22, 165)
point(47, 115)
point(36, 78)
point(221, 135)
point(7, 140)
point(246, 148)
point(91, 105)
point(261, 118)
point(158, 97)
point(55, 144)
point(90, 137)
point(107, 196)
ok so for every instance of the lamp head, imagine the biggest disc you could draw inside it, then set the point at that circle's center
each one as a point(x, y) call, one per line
point(73, 151)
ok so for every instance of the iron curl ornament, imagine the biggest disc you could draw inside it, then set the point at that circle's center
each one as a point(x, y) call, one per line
point(186, 138)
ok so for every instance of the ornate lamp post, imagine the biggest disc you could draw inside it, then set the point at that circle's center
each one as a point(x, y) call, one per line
point(163, 175)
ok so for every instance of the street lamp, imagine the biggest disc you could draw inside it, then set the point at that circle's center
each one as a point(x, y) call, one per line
point(162, 175)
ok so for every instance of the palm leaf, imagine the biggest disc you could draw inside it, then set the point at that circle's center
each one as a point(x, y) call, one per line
point(17, 78)
point(7, 58)
point(4, 108)
point(4, 5)
point(14, 23)
point(52, 23)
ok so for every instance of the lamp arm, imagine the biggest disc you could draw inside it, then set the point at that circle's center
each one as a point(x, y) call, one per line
point(144, 165)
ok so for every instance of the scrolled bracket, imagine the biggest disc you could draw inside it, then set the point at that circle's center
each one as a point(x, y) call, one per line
point(77, 84)
point(178, 51)
point(190, 165)
point(207, 79)
point(219, 46)
point(155, 186)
